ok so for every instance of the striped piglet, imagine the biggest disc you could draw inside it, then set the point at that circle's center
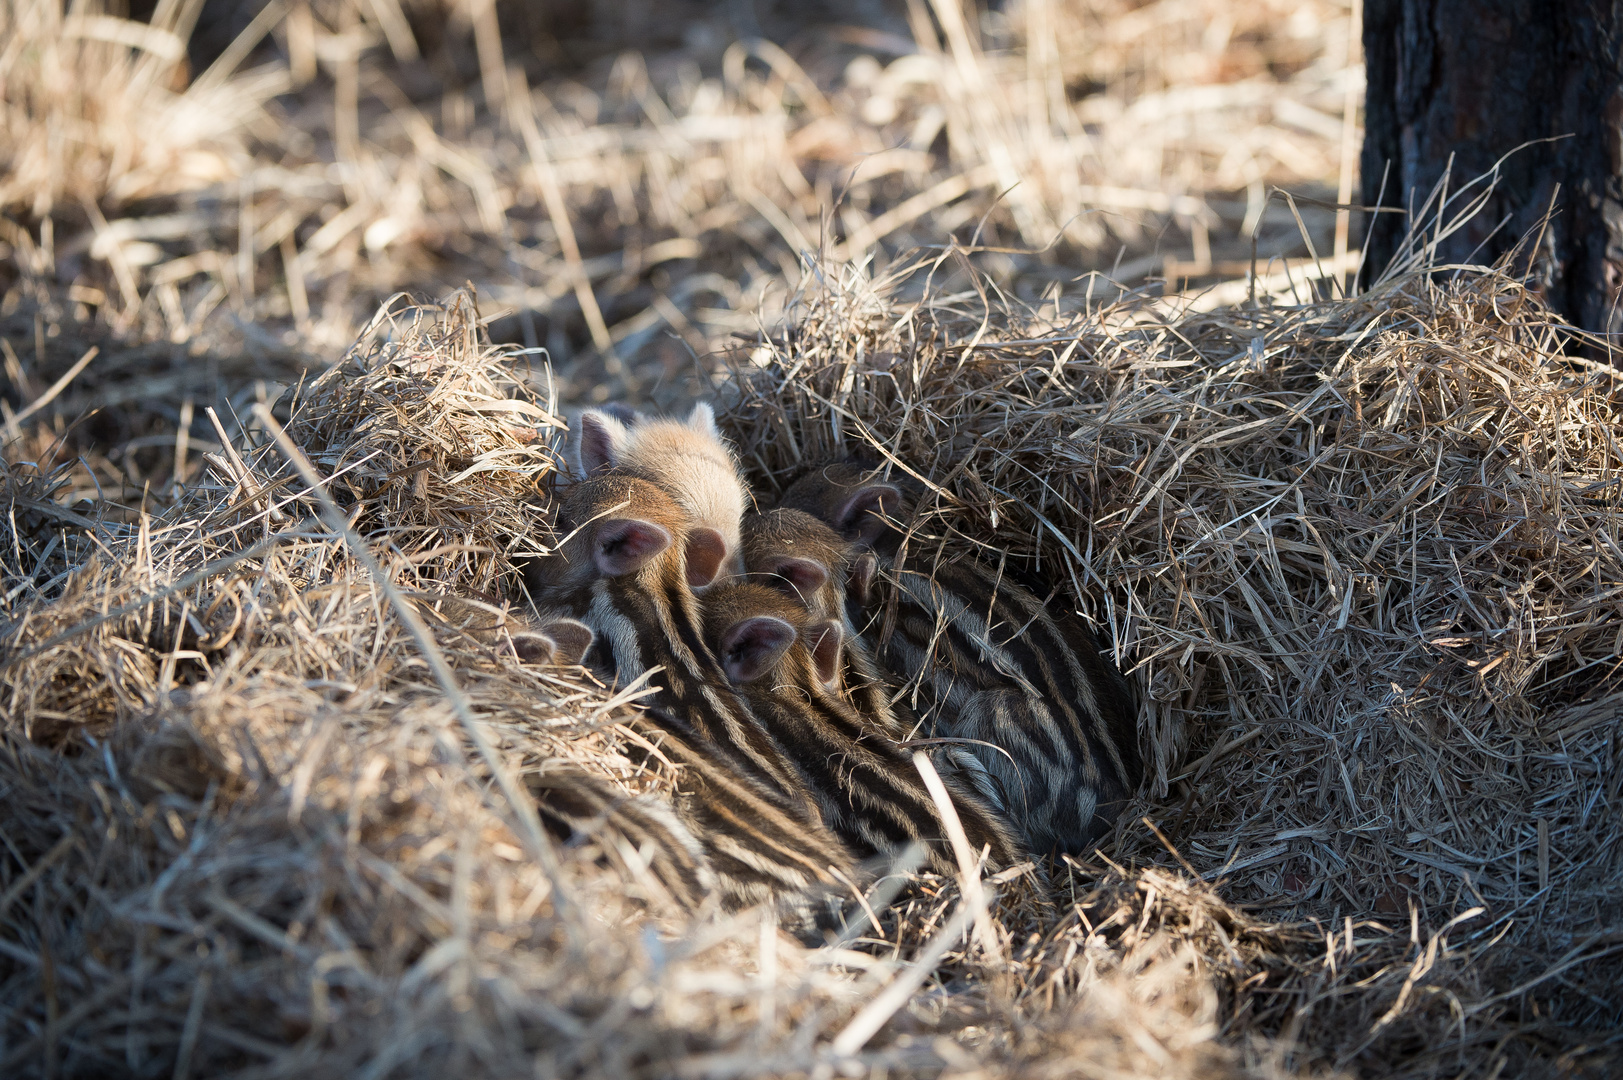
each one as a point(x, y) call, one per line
point(1048, 719)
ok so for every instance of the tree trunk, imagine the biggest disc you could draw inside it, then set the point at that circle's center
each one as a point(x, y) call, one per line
point(1472, 80)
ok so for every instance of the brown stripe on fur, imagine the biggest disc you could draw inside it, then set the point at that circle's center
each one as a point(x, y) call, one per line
point(783, 534)
point(864, 781)
point(990, 663)
point(758, 846)
point(593, 806)
point(743, 799)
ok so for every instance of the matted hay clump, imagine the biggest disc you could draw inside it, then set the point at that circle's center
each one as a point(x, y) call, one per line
point(1361, 555)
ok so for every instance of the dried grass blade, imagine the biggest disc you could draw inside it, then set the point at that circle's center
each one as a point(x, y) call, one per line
point(873, 1016)
point(523, 808)
point(969, 863)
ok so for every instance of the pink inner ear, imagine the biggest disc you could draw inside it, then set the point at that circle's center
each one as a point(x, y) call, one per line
point(862, 515)
point(623, 545)
point(806, 575)
point(600, 437)
point(752, 647)
point(707, 551)
point(826, 639)
point(570, 638)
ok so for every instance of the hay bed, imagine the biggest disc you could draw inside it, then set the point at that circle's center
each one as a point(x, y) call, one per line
point(1362, 555)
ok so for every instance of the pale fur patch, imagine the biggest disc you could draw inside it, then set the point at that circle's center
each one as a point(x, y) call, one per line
point(689, 461)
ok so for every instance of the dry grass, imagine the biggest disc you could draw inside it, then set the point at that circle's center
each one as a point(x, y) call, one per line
point(247, 833)
point(99, 110)
point(644, 206)
point(1362, 554)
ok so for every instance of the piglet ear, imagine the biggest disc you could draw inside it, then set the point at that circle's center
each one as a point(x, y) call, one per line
point(602, 442)
point(862, 515)
point(533, 647)
point(706, 551)
point(570, 640)
point(859, 585)
point(703, 420)
point(752, 647)
point(624, 413)
point(623, 545)
point(805, 576)
point(825, 639)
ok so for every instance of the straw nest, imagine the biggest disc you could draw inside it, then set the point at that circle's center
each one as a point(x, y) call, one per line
point(1361, 555)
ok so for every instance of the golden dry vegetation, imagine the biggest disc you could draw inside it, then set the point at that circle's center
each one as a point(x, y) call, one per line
point(1361, 553)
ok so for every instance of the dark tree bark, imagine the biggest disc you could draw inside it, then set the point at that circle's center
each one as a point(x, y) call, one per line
point(1474, 79)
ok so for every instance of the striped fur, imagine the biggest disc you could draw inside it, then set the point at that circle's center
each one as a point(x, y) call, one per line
point(646, 616)
point(759, 848)
point(1053, 723)
point(808, 561)
point(865, 782)
point(800, 556)
point(545, 641)
point(592, 806)
point(622, 570)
